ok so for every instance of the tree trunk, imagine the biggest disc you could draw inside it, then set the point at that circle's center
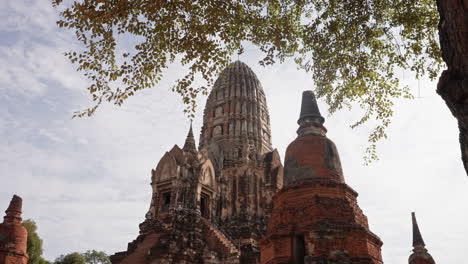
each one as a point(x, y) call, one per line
point(453, 83)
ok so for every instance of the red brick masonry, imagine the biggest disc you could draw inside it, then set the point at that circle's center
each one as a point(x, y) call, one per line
point(13, 236)
point(326, 216)
point(316, 218)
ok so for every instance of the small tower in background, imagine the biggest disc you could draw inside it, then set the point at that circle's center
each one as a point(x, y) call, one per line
point(420, 254)
point(13, 236)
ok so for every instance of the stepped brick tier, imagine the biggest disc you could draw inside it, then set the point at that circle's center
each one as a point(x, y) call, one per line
point(13, 236)
point(316, 218)
point(420, 254)
point(211, 205)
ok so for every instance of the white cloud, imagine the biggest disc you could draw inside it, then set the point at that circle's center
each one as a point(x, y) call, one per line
point(34, 16)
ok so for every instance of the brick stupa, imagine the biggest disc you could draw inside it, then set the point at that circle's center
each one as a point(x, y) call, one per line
point(13, 236)
point(316, 218)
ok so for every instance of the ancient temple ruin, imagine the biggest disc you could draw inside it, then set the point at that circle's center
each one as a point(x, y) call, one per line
point(227, 201)
point(211, 204)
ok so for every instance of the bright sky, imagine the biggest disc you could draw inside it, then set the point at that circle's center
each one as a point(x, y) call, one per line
point(86, 182)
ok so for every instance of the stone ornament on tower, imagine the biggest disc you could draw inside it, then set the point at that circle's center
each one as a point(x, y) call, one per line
point(189, 145)
point(309, 108)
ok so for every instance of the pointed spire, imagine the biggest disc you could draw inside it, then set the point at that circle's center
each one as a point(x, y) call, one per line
point(417, 238)
point(189, 145)
point(310, 120)
point(420, 254)
point(190, 133)
point(309, 108)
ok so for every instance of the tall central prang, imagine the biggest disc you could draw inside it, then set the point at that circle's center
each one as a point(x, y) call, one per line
point(236, 115)
point(236, 135)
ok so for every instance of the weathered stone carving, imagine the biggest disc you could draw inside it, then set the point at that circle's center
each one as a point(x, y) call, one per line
point(247, 178)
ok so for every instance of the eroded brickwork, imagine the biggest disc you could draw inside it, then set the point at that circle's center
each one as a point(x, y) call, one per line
point(316, 218)
point(13, 236)
point(325, 216)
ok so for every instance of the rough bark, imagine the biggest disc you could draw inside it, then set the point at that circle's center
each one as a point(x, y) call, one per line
point(453, 83)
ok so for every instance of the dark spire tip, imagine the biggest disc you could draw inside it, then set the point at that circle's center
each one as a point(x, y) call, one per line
point(189, 144)
point(16, 204)
point(417, 238)
point(190, 134)
point(309, 107)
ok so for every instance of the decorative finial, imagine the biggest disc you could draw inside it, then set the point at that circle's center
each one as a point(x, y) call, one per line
point(189, 145)
point(417, 238)
point(310, 120)
point(309, 108)
point(190, 134)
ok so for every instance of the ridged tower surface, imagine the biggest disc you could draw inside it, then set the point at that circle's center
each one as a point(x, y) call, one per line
point(236, 136)
point(236, 113)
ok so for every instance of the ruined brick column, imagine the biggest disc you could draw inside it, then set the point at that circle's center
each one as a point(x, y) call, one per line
point(316, 218)
point(13, 236)
point(420, 254)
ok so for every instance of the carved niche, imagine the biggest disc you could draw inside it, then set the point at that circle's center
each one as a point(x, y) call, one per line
point(217, 131)
point(218, 111)
point(166, 169)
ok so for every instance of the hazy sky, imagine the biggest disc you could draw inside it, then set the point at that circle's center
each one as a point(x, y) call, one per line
point(86, 182)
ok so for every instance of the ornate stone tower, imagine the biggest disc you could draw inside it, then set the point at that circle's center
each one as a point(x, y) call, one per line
point(420, 254)
point(211, 205)
point(13, 236)
point(316, 218)
point(237, 137)
point(178, 226)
